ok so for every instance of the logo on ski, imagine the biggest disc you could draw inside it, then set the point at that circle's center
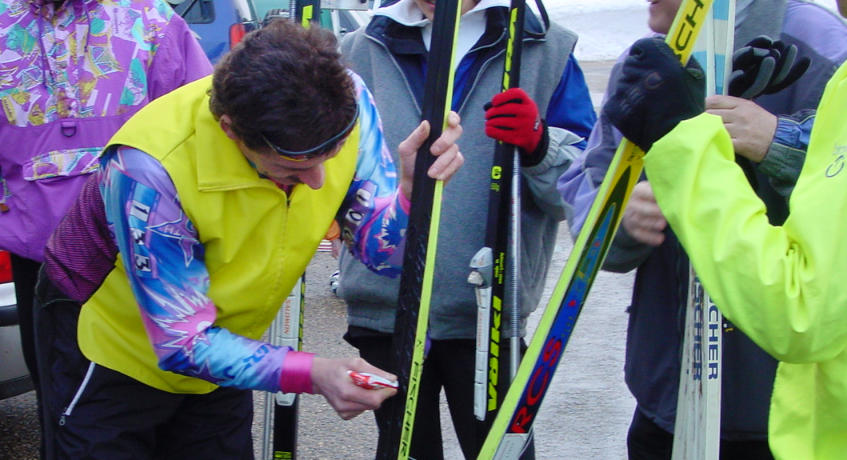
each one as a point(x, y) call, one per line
point(542, 373)
point(686, 33)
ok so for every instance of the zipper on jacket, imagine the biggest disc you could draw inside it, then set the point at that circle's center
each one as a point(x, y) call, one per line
point(68, 410)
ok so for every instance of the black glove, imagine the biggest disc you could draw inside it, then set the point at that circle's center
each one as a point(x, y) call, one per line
point(764, 66)
point(654, 93)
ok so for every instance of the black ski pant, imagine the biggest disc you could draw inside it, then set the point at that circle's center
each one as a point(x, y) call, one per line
point(93, 412)
point(648, 441)
point(449, 364)
point(25, 273)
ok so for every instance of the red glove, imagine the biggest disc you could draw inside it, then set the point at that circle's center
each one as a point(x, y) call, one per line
point(512, 117)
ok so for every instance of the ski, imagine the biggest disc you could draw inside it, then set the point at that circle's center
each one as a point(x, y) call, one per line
point(489, 266)
point(410, 327)
point(279, 441)
point(697, 427)
point(698, 415)
point(513, 424)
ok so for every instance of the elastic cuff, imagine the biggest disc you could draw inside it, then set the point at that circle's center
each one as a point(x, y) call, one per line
point(783, 162)
point(405, 203)
point(296, 373)
point(787, 152)
point(531, 159)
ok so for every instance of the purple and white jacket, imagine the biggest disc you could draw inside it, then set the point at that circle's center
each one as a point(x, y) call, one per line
point(71, 75)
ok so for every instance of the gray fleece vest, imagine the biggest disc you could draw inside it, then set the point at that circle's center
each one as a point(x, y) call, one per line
point(372, 299)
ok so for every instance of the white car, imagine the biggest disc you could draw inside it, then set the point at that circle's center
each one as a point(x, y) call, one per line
point(14, 377)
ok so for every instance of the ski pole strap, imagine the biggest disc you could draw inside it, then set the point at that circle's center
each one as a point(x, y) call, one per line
point(542, 11)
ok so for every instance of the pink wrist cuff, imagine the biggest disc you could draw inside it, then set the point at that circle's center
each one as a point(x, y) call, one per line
point(405, 203)
point(296, 373)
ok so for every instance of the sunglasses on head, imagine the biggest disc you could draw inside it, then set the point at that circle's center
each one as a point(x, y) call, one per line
point(318, 150)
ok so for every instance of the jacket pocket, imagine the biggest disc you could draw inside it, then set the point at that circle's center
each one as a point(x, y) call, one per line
point(61, 163)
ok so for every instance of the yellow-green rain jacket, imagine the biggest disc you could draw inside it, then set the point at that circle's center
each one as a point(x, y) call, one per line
point(785, 287)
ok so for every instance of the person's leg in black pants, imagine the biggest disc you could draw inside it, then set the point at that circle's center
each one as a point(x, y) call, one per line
point(25, 272)
point(427, 443)
point(93, 412)
point(454, 361)
point(746, 450)
point(58, 357)
point(646, 440)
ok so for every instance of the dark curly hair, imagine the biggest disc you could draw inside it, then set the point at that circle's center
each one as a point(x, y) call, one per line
point(285, 83)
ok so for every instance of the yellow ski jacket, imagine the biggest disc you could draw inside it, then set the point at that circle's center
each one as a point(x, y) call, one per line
point(786, 286)
point(257, 238)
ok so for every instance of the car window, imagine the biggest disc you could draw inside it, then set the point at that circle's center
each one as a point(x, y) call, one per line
point(264, 6)
point(196, 11)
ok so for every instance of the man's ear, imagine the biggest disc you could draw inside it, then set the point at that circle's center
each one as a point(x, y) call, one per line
point(226, 126)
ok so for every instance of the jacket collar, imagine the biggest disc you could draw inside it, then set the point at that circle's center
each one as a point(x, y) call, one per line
point(404, 38)
point(220, 165)
point(54, 7)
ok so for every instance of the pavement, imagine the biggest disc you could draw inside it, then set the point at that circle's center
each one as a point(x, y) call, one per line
point(585, 414)
point(596, 76)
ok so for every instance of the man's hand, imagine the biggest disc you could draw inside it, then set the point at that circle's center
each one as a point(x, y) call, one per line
point(643, 219)
point(751, 127)
point(512, 117)
point(330, 379)
point(449, 159)
point(654, 93)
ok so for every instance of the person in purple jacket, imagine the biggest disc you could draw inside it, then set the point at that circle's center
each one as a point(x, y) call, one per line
point(72, 72)
point(775, 147)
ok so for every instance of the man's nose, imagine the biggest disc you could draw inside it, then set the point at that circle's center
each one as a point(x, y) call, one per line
point(313, 177)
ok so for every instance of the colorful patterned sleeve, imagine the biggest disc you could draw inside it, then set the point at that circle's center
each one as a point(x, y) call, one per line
point(165, 263)
point(374, 213)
